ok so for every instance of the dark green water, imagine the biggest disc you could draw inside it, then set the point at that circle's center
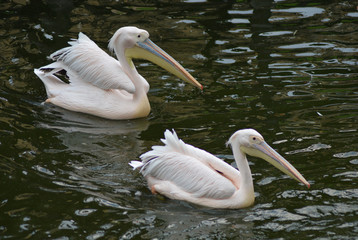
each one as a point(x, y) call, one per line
point(287, 69)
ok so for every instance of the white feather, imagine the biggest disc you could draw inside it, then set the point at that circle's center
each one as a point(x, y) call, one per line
point(181, 171)
point(91, 64)
point(101, 85)
point(136, 164)
point(191, 169)
point(110, 104)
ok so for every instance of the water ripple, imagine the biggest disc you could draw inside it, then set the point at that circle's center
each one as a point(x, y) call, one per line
point(322, 45)
point(297, 12)
point(68, 225)
point(312, 148)
point(286, 68)
point(346, 154)
point(84, 212)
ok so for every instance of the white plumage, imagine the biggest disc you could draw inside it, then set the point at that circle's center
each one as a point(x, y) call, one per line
point(91, 64)
point(101, 85)
point(181, 171)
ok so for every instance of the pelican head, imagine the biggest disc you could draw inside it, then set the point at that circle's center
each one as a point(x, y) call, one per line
point(137, 44)
point(250, 142)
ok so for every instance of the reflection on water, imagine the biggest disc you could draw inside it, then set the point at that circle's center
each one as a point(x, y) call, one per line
point(70, 122)
point(287, 68)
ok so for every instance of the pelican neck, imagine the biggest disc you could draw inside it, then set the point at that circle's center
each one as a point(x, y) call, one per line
point(246, 183)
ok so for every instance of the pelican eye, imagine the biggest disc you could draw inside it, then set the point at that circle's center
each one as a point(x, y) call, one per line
point(139, 36)
point(254, 138)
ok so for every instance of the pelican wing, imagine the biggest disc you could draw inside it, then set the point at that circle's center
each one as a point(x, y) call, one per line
point(193, 170)
point(90, 64)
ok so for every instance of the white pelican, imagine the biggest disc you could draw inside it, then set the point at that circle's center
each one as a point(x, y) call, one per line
point(180, 171)
point(99, 84)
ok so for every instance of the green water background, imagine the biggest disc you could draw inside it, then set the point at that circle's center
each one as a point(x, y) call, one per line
point(286, 68)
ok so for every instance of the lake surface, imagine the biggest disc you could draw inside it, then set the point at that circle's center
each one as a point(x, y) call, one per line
point(287, 69)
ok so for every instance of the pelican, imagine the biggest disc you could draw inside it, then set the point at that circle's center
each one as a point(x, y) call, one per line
point(181, 171)
point(101, 85)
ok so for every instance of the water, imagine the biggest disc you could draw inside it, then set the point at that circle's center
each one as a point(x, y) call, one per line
point(287, 69)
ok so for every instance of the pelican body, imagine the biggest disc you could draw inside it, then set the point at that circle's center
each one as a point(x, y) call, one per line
point(180, 171)
point(99, 84)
